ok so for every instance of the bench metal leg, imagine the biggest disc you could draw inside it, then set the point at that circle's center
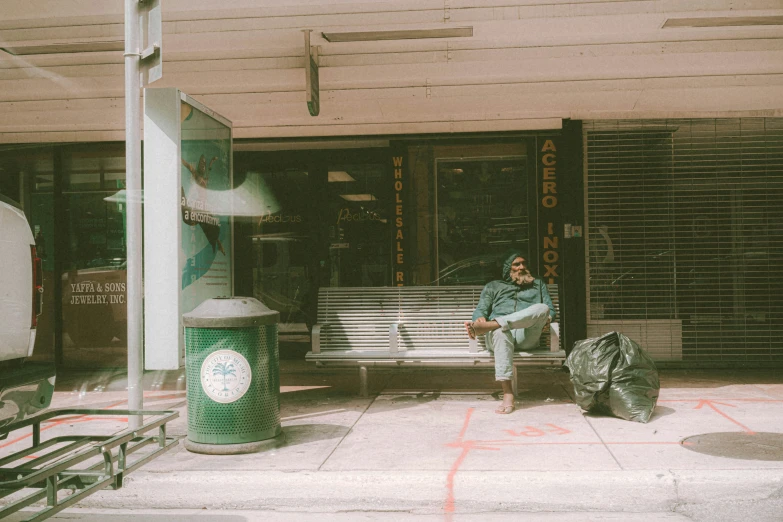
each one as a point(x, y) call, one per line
point(363, 381)
point(514, 382)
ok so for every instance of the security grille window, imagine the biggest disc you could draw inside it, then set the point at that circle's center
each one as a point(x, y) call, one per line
point(685, 229)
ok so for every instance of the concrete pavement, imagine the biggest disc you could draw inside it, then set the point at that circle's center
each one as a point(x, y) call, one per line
point(426, 444)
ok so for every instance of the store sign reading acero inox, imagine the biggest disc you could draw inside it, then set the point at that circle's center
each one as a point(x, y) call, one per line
point(549, 213)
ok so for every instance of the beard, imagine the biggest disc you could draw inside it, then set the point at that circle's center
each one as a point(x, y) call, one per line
point(523, 277)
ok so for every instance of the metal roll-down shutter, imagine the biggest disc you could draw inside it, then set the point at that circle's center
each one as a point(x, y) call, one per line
point(685, 236)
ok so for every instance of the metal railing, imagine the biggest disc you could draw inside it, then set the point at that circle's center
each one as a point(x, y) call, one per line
point(52, 466)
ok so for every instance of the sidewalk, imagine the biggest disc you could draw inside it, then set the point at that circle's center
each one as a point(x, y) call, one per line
point(427, 445)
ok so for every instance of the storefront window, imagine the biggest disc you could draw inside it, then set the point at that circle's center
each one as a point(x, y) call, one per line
point(330, 219)
point(323, 223)
point(482, 213)
point(94, 272)
point(303, 221)
point(281, 251)
point(359, 230)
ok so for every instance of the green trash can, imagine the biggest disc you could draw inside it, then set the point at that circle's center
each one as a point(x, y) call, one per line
point(233, 375)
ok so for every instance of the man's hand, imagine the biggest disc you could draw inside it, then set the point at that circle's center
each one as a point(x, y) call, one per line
point(545, 329)
point(480, 320)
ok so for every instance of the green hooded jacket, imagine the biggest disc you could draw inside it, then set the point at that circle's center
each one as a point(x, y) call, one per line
point(503, 297)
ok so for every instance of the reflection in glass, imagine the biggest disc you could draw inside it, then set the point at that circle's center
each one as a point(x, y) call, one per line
point(359, 226)
point(31, 171)
point(94, 169)
point(94, 275)
point(206, 249)
point(280, 241)
point(482, 213)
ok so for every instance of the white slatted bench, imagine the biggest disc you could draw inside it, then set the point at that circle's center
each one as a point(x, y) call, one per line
point(410, 326)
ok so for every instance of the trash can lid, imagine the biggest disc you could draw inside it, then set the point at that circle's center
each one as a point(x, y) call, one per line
point(230, 312)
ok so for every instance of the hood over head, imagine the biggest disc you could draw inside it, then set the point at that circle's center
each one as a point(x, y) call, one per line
point(512, 255)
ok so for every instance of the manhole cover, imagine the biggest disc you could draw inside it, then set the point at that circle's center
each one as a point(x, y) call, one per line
point(734, 445)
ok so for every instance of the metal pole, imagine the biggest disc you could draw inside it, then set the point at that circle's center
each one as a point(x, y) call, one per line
point(363, 392)
point(133, 208)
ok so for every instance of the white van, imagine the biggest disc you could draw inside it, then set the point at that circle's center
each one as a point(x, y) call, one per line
point(25, 387)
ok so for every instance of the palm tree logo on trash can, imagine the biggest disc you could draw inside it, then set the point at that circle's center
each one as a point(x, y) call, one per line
point(224, 369)
point(225, 376)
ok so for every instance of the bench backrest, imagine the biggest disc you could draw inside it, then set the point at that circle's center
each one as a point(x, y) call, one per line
point(429, 317)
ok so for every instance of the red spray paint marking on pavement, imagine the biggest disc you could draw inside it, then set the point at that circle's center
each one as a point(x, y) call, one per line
point(559, 430)
point(711, 405)
point(530, 431)
point(465, 425)
point(73, 418)
point(466, 446)
point(496, 445)
point(449, 506)
point(65, 420)
point(54, 424)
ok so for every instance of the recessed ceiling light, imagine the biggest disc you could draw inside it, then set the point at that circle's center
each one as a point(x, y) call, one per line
point(358, 197)
point(339, 176)
point(410, 34)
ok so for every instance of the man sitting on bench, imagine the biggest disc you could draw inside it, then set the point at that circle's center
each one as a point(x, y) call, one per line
point(513, 312)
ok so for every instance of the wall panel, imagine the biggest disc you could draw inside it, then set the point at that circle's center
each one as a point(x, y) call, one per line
point(528, 59)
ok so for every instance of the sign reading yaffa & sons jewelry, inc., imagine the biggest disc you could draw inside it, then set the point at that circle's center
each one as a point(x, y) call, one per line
point(188, 239)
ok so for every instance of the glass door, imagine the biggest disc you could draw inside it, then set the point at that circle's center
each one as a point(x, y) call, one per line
point(482, 213)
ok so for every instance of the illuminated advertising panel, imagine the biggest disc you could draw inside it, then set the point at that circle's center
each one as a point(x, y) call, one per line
point(188, 209)
point(205, 178)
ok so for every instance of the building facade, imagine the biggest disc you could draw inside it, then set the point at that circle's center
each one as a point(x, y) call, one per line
point(633, 149)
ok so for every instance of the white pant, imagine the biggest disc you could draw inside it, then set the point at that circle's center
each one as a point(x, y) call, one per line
point(518, 331)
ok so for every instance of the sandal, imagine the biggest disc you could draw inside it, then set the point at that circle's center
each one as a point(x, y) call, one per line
point(477, 329)
point(505, 410)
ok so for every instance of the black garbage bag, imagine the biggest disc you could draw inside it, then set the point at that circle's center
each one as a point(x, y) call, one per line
point(614, 375)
